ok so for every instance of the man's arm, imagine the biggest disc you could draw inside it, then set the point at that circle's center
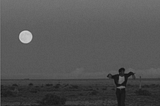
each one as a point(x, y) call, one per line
point(110, 76)
point(131, 73)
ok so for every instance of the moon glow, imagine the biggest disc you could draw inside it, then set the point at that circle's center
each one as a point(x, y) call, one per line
point(25, 37)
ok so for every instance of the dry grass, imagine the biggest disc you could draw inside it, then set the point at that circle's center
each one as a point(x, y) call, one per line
point(79, 95)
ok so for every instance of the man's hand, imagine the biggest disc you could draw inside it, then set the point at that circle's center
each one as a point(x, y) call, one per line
point(109, 76)
point(133, 77)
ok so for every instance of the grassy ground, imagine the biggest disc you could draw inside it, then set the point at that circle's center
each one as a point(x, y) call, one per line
point(78, 95)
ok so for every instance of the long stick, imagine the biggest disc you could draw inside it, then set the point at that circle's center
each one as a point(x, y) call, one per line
point(140, 83)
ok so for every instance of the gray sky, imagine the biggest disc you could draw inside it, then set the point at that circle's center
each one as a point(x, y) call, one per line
point(80, 38)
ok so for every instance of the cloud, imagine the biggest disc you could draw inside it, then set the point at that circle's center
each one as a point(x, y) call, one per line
point(78, 71)
point(147, 73)
point(81, 73)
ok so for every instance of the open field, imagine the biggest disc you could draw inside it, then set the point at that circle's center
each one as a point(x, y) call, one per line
point(100, 92)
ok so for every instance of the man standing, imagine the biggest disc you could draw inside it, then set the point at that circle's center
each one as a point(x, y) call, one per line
point(120, 81)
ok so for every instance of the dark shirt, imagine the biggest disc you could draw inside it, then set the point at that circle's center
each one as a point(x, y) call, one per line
point(126, 76)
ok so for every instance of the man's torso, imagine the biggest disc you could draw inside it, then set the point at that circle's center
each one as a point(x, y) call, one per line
point(121, 79)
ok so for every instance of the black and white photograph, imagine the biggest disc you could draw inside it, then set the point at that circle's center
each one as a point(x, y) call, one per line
point(80, 52)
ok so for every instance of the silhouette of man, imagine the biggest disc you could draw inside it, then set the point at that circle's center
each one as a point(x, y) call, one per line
point(120, 81)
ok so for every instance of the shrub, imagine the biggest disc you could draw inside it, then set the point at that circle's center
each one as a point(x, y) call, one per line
point(30, 84)
point(89, 89)
point(49, 84)
point(129, 85)
point(113, 89)
point(57, 86)
point(154, 85)
point(104, 88)
point(66, 85)
point(15, 85)
point(11, 87)
point(52, 99)
point(74, 87)
point(37, 86)
point(80, 94)
point(94, 92)
point(143, 92)
point(33, 91)
point(7, 93)
point(145, 86)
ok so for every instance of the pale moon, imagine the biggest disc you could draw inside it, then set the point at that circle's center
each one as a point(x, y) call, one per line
point(25, 36)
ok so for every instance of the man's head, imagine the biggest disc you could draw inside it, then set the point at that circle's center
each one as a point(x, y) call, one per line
point(121, 71)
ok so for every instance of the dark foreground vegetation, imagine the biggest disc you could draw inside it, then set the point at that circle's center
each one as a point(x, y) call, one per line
point(77, 95)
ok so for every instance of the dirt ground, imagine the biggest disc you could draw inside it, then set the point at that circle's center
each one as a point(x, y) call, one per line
point(79, 95)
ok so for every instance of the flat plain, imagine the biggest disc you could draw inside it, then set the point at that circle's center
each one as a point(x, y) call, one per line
point(78, 92)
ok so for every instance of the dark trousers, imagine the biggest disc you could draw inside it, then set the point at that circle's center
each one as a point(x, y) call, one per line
point(121, 94)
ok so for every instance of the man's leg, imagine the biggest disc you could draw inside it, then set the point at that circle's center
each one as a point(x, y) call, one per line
point(118, 95)
point(123, 96)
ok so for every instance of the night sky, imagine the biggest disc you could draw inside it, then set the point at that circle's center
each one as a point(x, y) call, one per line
point(80, 38)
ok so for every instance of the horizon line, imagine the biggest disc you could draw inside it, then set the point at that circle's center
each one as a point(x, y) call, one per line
point(67, 78)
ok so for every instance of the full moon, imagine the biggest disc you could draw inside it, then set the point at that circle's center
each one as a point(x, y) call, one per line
point(25, 37)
